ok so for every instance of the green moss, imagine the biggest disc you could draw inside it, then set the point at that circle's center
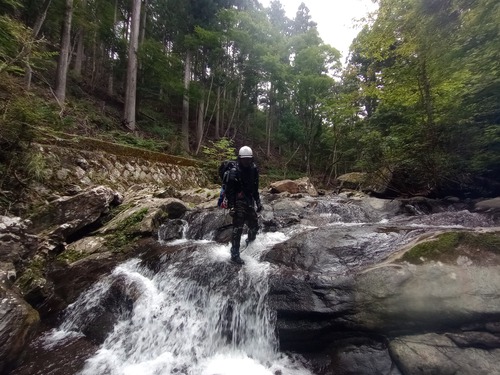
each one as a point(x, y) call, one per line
point(71, 256)
point(486, 241)
point(133, 219)
point(32, 273)
point(93, 144)
point(126, 230)
point(446, 245)
point(115, 211)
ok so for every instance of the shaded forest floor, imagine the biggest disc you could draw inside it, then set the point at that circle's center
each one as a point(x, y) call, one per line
point(91, 120)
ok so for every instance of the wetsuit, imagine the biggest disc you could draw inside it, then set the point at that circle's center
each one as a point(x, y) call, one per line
point(242, 192)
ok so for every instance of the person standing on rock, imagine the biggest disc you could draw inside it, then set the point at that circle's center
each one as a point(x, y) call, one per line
point(242, 192)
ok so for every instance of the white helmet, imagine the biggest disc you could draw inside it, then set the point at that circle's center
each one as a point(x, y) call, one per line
point(245, 152)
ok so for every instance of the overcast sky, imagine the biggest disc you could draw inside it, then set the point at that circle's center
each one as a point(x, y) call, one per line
point(334, 18)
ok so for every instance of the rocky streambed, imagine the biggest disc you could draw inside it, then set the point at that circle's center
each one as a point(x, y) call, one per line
point(350, 284)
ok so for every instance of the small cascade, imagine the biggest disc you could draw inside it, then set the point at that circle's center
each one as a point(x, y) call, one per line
point(198, 315)
point(169, 232)
point(191, 311)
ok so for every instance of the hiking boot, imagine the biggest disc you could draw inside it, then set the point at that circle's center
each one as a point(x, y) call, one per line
point(237, 260)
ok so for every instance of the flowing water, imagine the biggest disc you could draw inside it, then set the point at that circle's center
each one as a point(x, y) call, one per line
point(213, 323)
point(199, 314)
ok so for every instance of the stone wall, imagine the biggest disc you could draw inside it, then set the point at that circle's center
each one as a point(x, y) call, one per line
point(74, 167)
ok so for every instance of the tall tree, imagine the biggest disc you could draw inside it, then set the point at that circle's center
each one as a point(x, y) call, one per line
point(277, 68)
point(185, 101)
point(131, 83)
point(313, 66)
point(80, 39)
point(416, 62)
point(64, 51)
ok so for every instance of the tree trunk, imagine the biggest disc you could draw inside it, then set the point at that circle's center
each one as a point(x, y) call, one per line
point(217, 115)
point(111, 88)
point(269, 122)
point(199, 126)
point(268, 131)
point(77, 68)
point(34, 34)
point(144, 16)
point(131, 90)
point(79, 54)
point(63, 61)
point(237, 102)
point(93, 75)
point(223, 110)
point(185, 102)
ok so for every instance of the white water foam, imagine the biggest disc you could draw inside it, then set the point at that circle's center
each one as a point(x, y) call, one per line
point(208, 324)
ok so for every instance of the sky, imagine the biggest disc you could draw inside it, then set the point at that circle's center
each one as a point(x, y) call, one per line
point(334, 18)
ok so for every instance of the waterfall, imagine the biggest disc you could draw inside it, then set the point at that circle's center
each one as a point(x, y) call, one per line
point(198, 315)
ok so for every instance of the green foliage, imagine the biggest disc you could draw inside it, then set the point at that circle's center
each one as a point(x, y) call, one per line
point(160, 72)
point(419, 97)
point(419, 70)
point(13, 36)
point(18, 47)
point(132, 140)
point(36, 167)
point(19, 162)
point(31, 110)
point(219, 151)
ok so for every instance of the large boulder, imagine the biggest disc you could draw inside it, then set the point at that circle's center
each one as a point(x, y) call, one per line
point(18, 322)
point(434, 353)
point(305, 186)
point(66, 216)
point(69, 354)
point(490, 206)
point(16, 244)
point(410, 298)
point(301, 185)
point(352, 180)
point(77, 265)
point(144, 217)
point(284, 186)
point(323, 251)
point(334, 286)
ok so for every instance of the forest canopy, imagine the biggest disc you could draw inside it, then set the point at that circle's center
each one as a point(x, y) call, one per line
point(417, 102)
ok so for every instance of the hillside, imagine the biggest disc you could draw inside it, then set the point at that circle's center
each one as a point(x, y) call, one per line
point(38, 139)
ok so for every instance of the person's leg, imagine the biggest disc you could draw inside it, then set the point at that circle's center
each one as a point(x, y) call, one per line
point(238, 222)
point(253, 224)
point(235, 242)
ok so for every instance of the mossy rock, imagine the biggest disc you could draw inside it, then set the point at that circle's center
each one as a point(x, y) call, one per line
point(480, 248)
point(32, 283)
point(127, 230)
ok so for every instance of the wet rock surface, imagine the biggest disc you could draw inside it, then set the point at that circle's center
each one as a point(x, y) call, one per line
point(69, 357)
point(342, 295)
point(18, 323)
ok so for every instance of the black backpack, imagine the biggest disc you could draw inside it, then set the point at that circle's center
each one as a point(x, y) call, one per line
point(224, 169)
